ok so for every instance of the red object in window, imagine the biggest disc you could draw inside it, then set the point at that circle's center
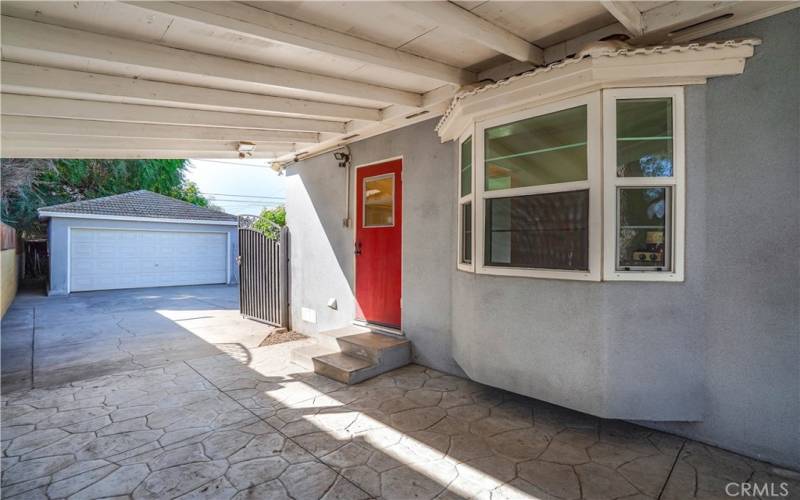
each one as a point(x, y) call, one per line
point(378, 245)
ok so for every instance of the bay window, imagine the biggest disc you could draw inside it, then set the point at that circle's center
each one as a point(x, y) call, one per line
point(583, 188)
point(644, 184)
point(466, 242)
point(538, 192)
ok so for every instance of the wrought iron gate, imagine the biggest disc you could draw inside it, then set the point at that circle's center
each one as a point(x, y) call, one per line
point(263, 273)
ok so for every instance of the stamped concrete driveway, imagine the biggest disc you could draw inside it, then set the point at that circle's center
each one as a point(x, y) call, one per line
point(54, 340)
point(246, 423)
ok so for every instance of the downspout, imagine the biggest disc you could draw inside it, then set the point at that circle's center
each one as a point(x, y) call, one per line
point(347, 165)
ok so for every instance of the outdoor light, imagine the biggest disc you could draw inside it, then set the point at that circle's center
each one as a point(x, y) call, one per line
point(343, 159)
point(246, 149)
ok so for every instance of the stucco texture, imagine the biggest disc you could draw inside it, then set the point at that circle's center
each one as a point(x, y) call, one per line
point(715, 358)
point(322, 264)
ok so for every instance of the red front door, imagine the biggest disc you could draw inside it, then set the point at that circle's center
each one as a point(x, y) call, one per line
point(379, 195)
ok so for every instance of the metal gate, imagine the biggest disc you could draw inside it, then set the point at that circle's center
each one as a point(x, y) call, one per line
point(263, 273)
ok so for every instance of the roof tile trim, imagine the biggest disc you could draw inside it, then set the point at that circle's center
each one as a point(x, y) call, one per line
point(137, 204)
point(656, 49)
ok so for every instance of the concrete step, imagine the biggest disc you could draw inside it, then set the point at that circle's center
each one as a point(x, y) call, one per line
point(385, 350)
point(330, 338)
point(353, 354)
point(344, 368)
point(304, 356)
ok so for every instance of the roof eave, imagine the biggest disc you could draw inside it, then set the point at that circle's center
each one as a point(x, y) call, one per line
point(44, 215)
point(635, 67)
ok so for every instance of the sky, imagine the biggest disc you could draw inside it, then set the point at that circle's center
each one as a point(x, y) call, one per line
point(240, 187)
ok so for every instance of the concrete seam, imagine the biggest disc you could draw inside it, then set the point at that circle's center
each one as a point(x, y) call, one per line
point(669, 476)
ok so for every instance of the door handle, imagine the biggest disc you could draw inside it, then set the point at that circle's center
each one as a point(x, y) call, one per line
point(358, 248)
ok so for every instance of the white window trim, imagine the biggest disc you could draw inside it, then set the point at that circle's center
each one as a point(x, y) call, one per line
point(593, 184)
point(463, 266)
point(612, 183)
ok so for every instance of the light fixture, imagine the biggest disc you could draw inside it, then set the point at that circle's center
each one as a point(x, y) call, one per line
point(342, 158)
point(246, 149)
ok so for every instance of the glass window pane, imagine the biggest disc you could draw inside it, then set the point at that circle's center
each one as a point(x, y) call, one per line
point(466, 167)
point(643, 232)
point(544, 231)
point(379, 201)
point(466, 230)
point(644, 137)
point(545, 149)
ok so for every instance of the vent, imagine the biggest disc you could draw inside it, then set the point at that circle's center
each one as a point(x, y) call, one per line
point(349, 137)
point(414, 115)
point(701, 23)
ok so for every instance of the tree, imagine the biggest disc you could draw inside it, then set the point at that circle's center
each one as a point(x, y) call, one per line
point(270, 221)
point(28, 184)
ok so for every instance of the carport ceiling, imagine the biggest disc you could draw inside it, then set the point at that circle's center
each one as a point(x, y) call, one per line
point(196, 79)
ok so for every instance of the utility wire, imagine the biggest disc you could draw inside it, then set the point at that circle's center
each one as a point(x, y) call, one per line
point(239, 195)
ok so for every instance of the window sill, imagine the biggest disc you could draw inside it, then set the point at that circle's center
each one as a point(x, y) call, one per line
point(645, 276)
point(539, 273)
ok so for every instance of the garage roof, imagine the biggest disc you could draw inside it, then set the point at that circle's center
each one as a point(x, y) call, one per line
point(140, 204)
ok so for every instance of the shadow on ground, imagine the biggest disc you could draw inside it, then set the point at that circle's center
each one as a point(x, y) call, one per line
point(177, 415)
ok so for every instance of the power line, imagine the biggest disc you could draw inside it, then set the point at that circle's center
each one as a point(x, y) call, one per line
point(240, 195)
point(253, 203)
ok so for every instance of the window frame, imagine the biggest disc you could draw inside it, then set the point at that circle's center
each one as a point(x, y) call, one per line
point(612, 184)
point(462, 200)
point(593, 183)
point(363, 200)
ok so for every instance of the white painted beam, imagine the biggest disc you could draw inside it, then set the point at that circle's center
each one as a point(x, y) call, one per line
point(627, 14)
point(250, 22)
point(51, 82)
point(50, 45)
point(53, 107)
point(393, 117)
point(453, 18)
point(127, 154)
point(660, 23)
point(26, 125)
point(32, 142)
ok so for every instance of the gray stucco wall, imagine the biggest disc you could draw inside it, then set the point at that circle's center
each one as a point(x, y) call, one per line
point(751, 294)
point(716, 358)
point(57, 242)
point(322, 248)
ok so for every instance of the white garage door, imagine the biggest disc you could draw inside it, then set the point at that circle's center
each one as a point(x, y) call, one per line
point(103, 259)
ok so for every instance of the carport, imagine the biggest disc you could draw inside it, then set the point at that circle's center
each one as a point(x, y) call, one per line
point(136, 240)
point(288, 80)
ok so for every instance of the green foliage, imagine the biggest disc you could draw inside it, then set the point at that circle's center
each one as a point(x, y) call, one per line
point(64, 181)
point(270, 221)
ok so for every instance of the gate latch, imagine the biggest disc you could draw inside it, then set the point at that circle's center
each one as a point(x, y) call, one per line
point(238, 260)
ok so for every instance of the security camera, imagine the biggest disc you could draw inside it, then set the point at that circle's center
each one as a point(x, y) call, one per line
point(343, 158)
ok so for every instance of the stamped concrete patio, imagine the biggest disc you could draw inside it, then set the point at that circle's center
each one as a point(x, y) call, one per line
point(239, 422)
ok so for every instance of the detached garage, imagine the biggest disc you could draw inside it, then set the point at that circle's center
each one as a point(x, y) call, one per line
point(138, 240)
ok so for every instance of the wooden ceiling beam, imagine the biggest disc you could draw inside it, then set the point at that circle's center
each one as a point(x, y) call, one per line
point(127, 154)
point(627, 14)
point(53, 107)
point(453, 18)
point(27, 79)
point(12, 141)
point(251, 22)
point(49, 45)
point(26, 125)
